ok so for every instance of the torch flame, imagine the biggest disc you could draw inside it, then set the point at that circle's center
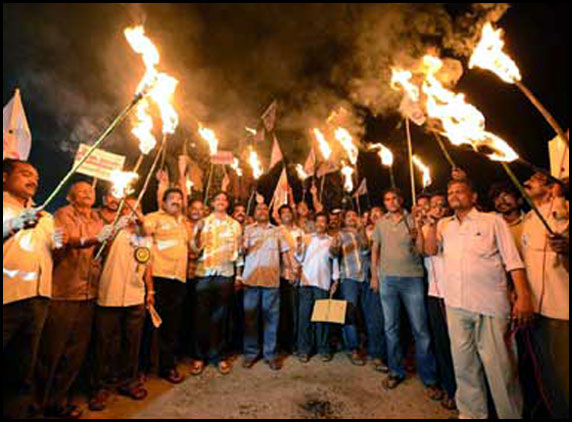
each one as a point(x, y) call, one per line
point(348, 172)
point(301, 172)
point(210, 136)
point(424, 169)
point(143, 130)
point(122, 182)
point(144, 46)
point(162, 94)
point(400, 77)
point(236, 167)
point(189, 185)
point(255, 164)
point(251, 131)
point(462, 122)
point(323, 144)
point(385, 154)
point(347, 142)
point(488, 54)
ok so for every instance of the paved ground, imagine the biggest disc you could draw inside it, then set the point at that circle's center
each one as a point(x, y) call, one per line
point(315, 390)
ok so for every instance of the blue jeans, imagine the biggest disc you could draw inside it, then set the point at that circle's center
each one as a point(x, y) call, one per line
point(354, 292)
point(258, 299)
point(411, 292)
point(376, 344)
point(311, 333)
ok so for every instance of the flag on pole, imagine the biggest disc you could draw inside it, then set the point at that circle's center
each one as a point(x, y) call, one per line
point(276, 155)
point(310, 165)
point(412, 110)
point(362, 190)
point(269, 116)
point(16, 136)
point(559, 158)
point(281, 193)
point(326, 168)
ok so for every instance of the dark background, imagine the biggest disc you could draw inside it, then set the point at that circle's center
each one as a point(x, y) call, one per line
point(75, 72)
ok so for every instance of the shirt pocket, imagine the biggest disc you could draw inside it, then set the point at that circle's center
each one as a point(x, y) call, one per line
point(480, 242)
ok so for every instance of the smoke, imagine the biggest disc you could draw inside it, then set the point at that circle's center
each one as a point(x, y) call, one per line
point(232, 60)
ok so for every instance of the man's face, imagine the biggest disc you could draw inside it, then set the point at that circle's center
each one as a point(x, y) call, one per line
point(351, 219)
point(424, 203)
point(302, 209)
point(110, 202)
point(261, 214)
point(506, 203)
point(174, 204)
point(537, 186)
point(239, 214)
point(460, 197)
point(376, 214)
point(438, 206)
point(22, 182)
point(335, 221)
point(365, 218)
point(196, 211)
point(82, 194)
point(286, 216)
point(393, 202)
point(220, 203)
point(321, 224)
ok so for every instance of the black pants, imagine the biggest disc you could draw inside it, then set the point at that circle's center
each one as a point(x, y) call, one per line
point(117, 342)
point(169, 298)
point(22, 324)
point(288, 327)
point(63, 348)
point(187, 332)
point(211, 314)
point(236, 327)
point(441, 344)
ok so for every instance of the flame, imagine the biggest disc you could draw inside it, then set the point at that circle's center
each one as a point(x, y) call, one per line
point(462, 122)
point(488, 55)
point(347, 142)
point(400, 77)
point(236, 167)
point(301, 172)
point(348, 172)
point(323, 144)
point(144, 46)
point(210, 136)
point(424, 169)
point(255, 164)
point(189, 185)
point(385, 154)
point(251, 131)
point(162, 94)
point(122, 182)
point(143, 129)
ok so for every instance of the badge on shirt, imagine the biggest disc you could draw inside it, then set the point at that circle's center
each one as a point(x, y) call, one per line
point(142, 255)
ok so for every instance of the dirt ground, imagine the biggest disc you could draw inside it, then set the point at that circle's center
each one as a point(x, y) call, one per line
point(315, 390)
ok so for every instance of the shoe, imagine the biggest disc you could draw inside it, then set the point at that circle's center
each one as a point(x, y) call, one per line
point(304, 358)
point(275, 364)
point(356, 359)
point(174, 377)
point(434, 393)
point(380, 366)
point(248, 363)
point(326, 357)
point(391, 382)
point(98, 402)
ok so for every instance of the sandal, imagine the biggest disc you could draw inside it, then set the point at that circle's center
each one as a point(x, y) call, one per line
point(64, 412)
point(380, 366)
point(356, 359)
point(224, 367)
point(197, 368)
point(98, 402)
point(449, 403)
point(136, 393)
point(392, 382)
point(174, 377)
point(434, 393)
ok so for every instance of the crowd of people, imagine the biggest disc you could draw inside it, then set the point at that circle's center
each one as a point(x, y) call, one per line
point(480, 299)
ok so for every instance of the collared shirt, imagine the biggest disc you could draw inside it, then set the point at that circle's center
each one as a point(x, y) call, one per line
point(220, 241)
point(435, 266)
point(547, 275)
point(107, 218)
point(265, 244)
point(26, 257)
point(516, 228)
point(76, 272)
point(308, 226)
point(193, 263)
point(319, 267)
point(477, 255)
point(170, 245)
point(291, 235)
point(351, 256)
point(122, 282)
point(397, 257)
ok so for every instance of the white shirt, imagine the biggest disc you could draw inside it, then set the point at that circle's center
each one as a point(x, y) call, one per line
point(318, 266)
point(122, 281)
point(477, 255)
point(549, 280)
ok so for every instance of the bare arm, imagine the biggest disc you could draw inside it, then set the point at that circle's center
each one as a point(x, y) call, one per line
point(523, 309)
point(374, 265)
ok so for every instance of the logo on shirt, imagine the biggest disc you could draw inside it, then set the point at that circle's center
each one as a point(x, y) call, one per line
point(142, 255)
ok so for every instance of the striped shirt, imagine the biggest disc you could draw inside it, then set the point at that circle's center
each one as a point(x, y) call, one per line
point(352, 254)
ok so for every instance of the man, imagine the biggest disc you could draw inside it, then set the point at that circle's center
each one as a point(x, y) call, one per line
point(303, 219)
point(395, 256)
point(168, 228)
point(289, 283)
point(29, 239)
point(239, 214)
point(67, 332)
point(478, 250)
point(546, 258)
point(436, 304)
point(349, 246)
point(334, 221)
point(218, 241)
point(319, 268)
point(265, 248)
point(109, 209)
point(125, 289)
point(508, 203)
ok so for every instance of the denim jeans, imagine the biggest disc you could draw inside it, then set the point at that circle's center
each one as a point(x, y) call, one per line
point(312, 334)
point(376, 344)
point(288, 328)
point(257, 299)
point(354, 292)
point(411, 292)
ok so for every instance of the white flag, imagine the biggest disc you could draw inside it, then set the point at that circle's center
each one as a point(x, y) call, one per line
point(281, 193)
point(559, 158)
point(269, 116)
point(17, 138)
point(276, 155)
point(310, 165)
point(362, 190)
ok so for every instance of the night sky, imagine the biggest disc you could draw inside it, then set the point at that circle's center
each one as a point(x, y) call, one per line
point(76, 71)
